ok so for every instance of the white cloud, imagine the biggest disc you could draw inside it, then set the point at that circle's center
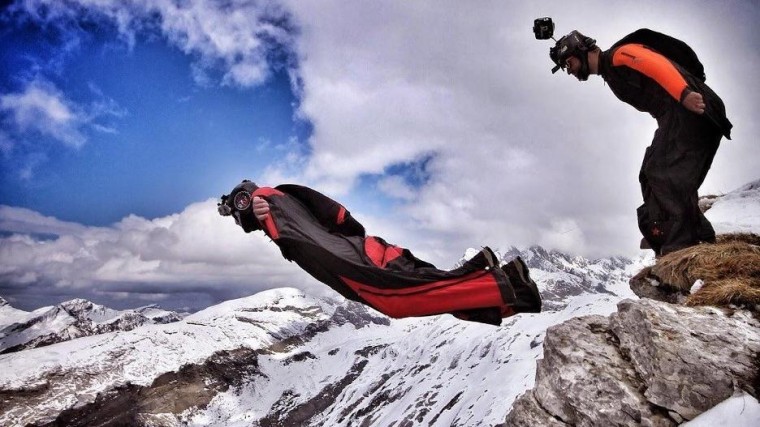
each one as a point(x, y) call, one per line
point(195, 251)
point(519, 156)
point(396, 187)
point(26, 221)
point(564, 235)
point(42, 107)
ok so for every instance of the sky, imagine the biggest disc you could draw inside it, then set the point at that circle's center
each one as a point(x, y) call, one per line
point(439, 127)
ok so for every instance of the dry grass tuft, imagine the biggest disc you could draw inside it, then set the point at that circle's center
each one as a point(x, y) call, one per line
point(726, 292)
point(730, 270)
point(752, 239)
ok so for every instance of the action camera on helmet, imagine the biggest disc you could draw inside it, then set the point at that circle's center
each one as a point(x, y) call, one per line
point(543, 28)
point(571, 44)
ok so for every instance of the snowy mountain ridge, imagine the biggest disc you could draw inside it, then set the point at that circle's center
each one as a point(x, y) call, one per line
point(314, 362)
point(563, 277)
point(20, 330)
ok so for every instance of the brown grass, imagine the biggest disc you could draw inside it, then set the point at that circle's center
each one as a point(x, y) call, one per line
point(730, 270)
point(752, 239)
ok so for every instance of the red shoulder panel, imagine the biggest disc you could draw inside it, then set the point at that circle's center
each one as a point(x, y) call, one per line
point(380, 254)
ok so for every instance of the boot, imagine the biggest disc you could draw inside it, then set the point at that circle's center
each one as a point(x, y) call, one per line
point(526, 291)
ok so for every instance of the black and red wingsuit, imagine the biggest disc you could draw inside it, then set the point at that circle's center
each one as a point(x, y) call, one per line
point(322, 237)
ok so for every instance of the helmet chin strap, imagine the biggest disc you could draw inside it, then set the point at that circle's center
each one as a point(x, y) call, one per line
point(584, 72)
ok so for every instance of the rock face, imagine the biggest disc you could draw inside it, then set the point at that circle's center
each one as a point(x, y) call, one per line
point(651, 363)
point(192, 386)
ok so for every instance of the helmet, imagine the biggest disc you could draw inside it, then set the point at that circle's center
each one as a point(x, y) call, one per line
point(572, 44)
point(238, 205)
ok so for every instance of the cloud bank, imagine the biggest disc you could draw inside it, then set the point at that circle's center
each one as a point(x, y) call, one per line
point(187, 260)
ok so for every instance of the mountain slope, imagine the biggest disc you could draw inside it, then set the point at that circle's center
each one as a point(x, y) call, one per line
point(9, 314)
point(314, 362)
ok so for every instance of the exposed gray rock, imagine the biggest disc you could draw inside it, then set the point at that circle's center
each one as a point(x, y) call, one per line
point(651, 364)
point(170, 393)
point(527, 412)
point(689, 359)
point(645, 285)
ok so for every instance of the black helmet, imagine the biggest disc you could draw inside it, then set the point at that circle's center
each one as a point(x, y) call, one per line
point(573, 44)
point(238, 205)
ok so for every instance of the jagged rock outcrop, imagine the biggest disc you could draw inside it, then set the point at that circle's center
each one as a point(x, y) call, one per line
point(651, 363)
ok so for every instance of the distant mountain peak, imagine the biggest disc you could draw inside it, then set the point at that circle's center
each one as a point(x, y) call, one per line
point(77, 304)
point(72, 319)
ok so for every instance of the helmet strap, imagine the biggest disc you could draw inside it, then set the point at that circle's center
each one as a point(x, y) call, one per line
point(584, 72)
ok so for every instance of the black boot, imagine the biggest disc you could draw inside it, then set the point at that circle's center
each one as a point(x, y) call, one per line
point(526, 291)
point(487, 315)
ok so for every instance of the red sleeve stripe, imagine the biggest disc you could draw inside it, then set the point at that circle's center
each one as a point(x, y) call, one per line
point(652, 65)
point(270, 228)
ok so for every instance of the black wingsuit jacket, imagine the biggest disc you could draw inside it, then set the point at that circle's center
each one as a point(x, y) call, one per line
point(321, 236)
point(676, 163)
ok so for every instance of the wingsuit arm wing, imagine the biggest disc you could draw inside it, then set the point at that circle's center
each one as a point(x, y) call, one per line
point(678, 85)
point(331, 214)
point(654, 66)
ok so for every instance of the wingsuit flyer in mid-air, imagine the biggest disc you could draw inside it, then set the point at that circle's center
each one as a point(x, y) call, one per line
point(322, 237)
